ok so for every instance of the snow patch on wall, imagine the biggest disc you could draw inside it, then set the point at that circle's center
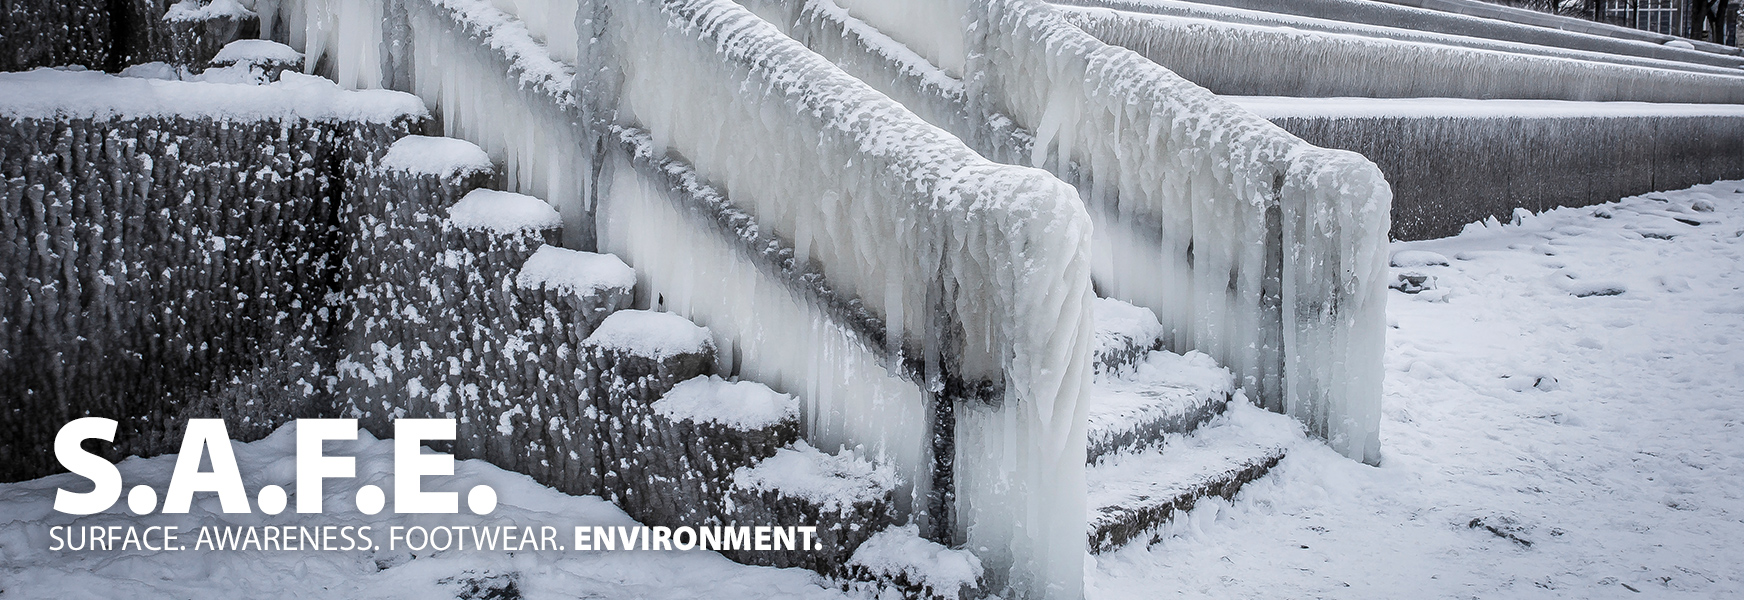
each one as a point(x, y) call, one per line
point(652, 334)
point(833, 482)
point(440, 156)
point(502, 212)
point(583, 273)
point(739, 404)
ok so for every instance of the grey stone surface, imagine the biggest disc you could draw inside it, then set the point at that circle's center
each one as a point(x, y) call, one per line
point(1449, 171)
point(154, 270)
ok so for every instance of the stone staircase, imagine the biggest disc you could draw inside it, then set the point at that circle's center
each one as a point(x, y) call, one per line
point(463, 308)
point(1159, 438)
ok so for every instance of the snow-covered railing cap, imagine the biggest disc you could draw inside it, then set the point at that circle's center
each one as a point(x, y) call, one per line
point(258, 52)
point(656, 335)
point(833, 483)
point(742, 405)
point(440, 156)
point(502, 213)
point(574, 271)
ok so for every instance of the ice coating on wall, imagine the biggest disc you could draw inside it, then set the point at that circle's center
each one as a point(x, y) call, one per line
point(490, 77)
point(932, 29)
point(766, 334)
point(1200, 206)
point(1250, 244)
point(947, 249)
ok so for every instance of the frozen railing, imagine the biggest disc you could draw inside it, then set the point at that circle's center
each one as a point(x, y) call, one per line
point(1251, 245)
point(511, 96)
point(980, 270)
point(929, 305)
point(1268, 60)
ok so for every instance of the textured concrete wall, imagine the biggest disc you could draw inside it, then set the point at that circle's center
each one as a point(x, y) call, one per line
point(154, 270)
point(108, 34)
point(1449, 171)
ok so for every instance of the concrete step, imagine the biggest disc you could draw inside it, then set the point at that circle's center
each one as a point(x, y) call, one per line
point(1132, 494)
point(1125, 335)
point(1165, 393)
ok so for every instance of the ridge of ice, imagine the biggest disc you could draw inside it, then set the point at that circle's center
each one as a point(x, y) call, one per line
point(743, 405)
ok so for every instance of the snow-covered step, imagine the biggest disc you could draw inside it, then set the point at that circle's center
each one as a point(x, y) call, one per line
point(1125, 334)
point(1166, 393)
point(848, 497)
point(900, 559)
point(1131, 494)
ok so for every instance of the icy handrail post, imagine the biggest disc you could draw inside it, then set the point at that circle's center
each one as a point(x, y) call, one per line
point(1270, 252)
point(979, 270)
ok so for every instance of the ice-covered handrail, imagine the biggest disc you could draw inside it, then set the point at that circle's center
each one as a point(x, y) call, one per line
point(918, 227)
point(1252, 245)
point(1264, 60)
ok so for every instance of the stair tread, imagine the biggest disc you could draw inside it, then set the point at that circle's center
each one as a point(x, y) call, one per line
point(1131, 492)
point(1163, 393)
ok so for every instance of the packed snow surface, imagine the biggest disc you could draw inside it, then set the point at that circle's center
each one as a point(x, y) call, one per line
point(503, 213)
point(257, 52)
point(741, 405)
point(656, 335)
point(28, 570)
point(557, 268)
point(440, 156)
point(50, 93)
point(834, 482)
point(1535, 443)
point(1163, 384)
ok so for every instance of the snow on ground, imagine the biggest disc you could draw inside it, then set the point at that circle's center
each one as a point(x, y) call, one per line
point(28, 570)
point(1522, 402)
point(1561, 420)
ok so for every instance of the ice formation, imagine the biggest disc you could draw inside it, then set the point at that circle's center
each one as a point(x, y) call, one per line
point(1245, 59)
point(845, 251)
point(1253, 246)
point(903, 217)
point(1123, 9)
point(738, 404)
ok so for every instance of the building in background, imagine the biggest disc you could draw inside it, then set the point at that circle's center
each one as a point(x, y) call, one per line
point(1683, 18)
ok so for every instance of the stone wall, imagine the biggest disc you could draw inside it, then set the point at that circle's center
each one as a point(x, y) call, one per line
point(110, 34)
point(154, 270)
point(1449, 171)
